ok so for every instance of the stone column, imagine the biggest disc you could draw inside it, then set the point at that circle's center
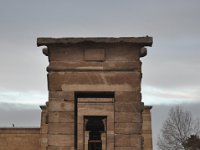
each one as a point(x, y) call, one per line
point(44, 127)
point(146, 128)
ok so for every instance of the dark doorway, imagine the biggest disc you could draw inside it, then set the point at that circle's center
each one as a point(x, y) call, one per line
point(95, 125)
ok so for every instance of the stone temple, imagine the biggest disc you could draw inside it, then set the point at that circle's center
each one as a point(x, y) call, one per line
point(94, 98)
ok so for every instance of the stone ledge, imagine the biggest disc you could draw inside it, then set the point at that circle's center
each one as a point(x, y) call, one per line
point(19, 130)
point(143, 41)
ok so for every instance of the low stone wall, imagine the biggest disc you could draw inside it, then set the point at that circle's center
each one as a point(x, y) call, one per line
point(19, 138)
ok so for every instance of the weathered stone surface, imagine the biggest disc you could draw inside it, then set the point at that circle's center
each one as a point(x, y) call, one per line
point(94, 54)
point(61, 66)
point(128, 117)
point(63, 81)
point(61, 116)
point(61, 106)
point(96, 100)
point(122, 140)
point(146, 128)
point(127, 96)
point(65, 53)
point(60, 148)
point(143, 41)
point(55, 81)
point(127, 148)
point(19, 138)
point(128, 128)
point(61, 95)
point(122, 53)
point(100, 88)
point(61, 140)
point(61, 128)
point(110, 141)
point(128, 107)
point(99, 109)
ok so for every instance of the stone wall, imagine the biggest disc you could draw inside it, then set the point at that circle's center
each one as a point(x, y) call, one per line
point(19, 138)
point(146, 128)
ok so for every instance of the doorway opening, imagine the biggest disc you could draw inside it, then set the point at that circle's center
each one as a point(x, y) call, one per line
point(95, 132)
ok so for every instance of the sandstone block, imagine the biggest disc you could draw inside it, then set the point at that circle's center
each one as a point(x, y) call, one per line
point(60, 148)
point(122, 140)
point(61, 95)
point(61, 106)
point(95, 54)
point(60, 66)
point(126, 96)
point(127, 117)
point(110, 141)
point(98, 109)
point(128, 107)
point(59, 53)
point(61, 140)
point(55, 81)
point(61, 116)
point(127, 148)
point(128, 128)
point(122, 53)
point(61, 128)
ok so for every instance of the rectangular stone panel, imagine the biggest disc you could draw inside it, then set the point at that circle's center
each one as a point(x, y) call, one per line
point(61, 95)
point(94, 54)
point(60, 148)
point(96, 100)
point(122, 140)
point(61, 116)
point(61, 128)
point(59, 53)
point(110, 127)
point(122, 52)
point(61, 140)
point(127, 148)
point(101, 109)
point(128, 107)
point(110, 141)
point(146, 126)
point(43, 128)
point(127, 96)
point(61, 106)
point(70, 81)
point(146, 117)
point(128, 117)
point(128, 128)
point(55, 80)
point(94, 66)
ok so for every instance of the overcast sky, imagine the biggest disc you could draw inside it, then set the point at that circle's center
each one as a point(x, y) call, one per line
point(171, 70)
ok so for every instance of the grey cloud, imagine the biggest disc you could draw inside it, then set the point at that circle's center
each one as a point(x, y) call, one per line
point(173, 66)
point(20, 115)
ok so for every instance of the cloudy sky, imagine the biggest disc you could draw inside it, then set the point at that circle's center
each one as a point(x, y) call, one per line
point(171, 70)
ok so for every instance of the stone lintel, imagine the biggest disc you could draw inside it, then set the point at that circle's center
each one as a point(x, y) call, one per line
point(142, 41)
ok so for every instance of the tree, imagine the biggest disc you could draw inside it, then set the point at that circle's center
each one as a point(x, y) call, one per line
point(192, 143)
point(177, 129)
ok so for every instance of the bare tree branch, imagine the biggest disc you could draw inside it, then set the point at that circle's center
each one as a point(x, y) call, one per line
point(177, 129)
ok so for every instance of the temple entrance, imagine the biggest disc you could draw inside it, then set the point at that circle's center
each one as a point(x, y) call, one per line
point(94, 120)
point(95, 132)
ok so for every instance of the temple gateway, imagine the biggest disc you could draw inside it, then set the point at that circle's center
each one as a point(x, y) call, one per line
point(94, 97)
